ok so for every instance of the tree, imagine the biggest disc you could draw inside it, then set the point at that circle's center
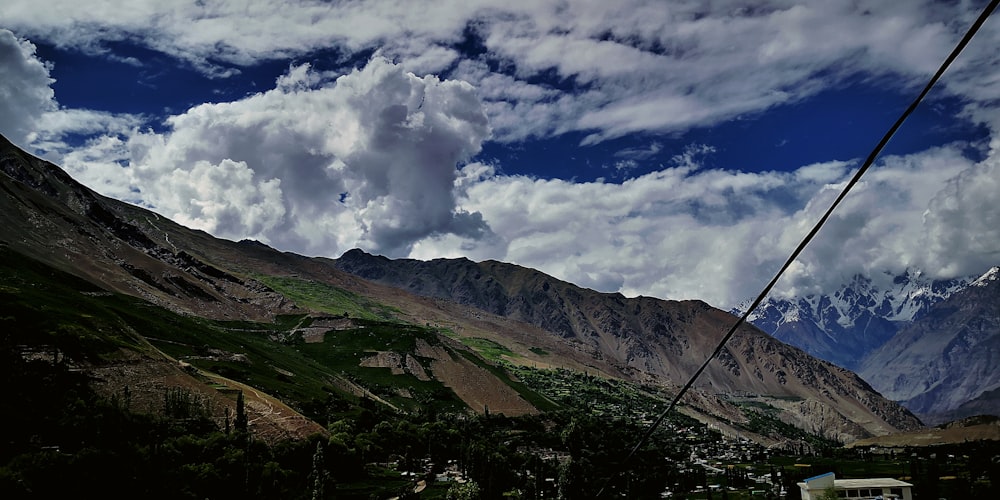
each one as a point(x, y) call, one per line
point(466, 491)
point(829, 494)
point(241, 424)
point(319, 474)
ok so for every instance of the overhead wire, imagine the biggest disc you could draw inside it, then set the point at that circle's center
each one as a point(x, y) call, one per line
point(869, 161)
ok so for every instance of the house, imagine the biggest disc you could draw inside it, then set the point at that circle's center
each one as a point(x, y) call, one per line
point(815, 487)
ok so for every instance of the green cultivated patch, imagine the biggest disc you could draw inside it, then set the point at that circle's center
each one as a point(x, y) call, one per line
point(488, 348)
point(343, 352)
point(59, 316)
point(598, 396)
point(496, 352)
point(326, 298)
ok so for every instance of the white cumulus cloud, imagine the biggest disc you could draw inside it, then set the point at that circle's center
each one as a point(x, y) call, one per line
point(314, 165)
point(962, 220)
point(30, 115)
point(25, 89)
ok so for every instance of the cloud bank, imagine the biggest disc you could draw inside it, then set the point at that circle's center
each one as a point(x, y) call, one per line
point(687, 232)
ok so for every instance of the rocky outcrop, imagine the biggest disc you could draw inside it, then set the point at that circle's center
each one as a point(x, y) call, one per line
point(46, 214)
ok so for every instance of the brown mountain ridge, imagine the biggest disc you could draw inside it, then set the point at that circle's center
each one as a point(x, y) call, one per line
point(652, 339)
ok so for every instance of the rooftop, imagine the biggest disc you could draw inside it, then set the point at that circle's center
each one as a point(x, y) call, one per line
point(850, 484)
point(876, 482)
point(817, 477)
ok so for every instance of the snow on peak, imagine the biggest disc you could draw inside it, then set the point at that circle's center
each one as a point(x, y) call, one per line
point(902, 297)
point(992, 275)
point(792, 315)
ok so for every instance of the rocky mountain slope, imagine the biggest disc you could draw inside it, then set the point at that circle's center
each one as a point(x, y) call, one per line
point(46, 214)
point(421, 311)
point(847, 325)
point(944, 364)
point(648, 338)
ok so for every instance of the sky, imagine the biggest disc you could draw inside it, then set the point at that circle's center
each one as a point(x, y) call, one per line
point(671, 149)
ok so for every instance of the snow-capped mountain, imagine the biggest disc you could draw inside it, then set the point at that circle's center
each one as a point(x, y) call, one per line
point(845, 326)
point(943, 365)
point(992, 275)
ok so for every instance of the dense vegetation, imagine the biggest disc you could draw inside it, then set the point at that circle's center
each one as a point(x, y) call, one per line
point(61, 439)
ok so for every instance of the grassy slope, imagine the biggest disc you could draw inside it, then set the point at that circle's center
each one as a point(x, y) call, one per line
point(322, 297)
point(42, 307)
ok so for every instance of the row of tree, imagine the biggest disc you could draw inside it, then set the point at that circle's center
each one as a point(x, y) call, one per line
point(62, 430)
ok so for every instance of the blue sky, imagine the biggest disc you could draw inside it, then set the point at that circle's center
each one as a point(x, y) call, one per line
point(677, 149)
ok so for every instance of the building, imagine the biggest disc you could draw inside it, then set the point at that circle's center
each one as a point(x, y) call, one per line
point(815, 487)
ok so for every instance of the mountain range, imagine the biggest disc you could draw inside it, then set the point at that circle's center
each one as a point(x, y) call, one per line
point(861, 316)
point(929, 344)
point(943, 365)
point(143, 303)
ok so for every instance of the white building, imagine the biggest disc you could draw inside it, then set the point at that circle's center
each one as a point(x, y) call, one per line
point(856, 489)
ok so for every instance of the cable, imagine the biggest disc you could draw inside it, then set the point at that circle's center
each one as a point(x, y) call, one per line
point(812, 233)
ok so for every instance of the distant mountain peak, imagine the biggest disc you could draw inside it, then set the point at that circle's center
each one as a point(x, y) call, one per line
point(860, 316)
point(936, 334)
point(987, 277)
